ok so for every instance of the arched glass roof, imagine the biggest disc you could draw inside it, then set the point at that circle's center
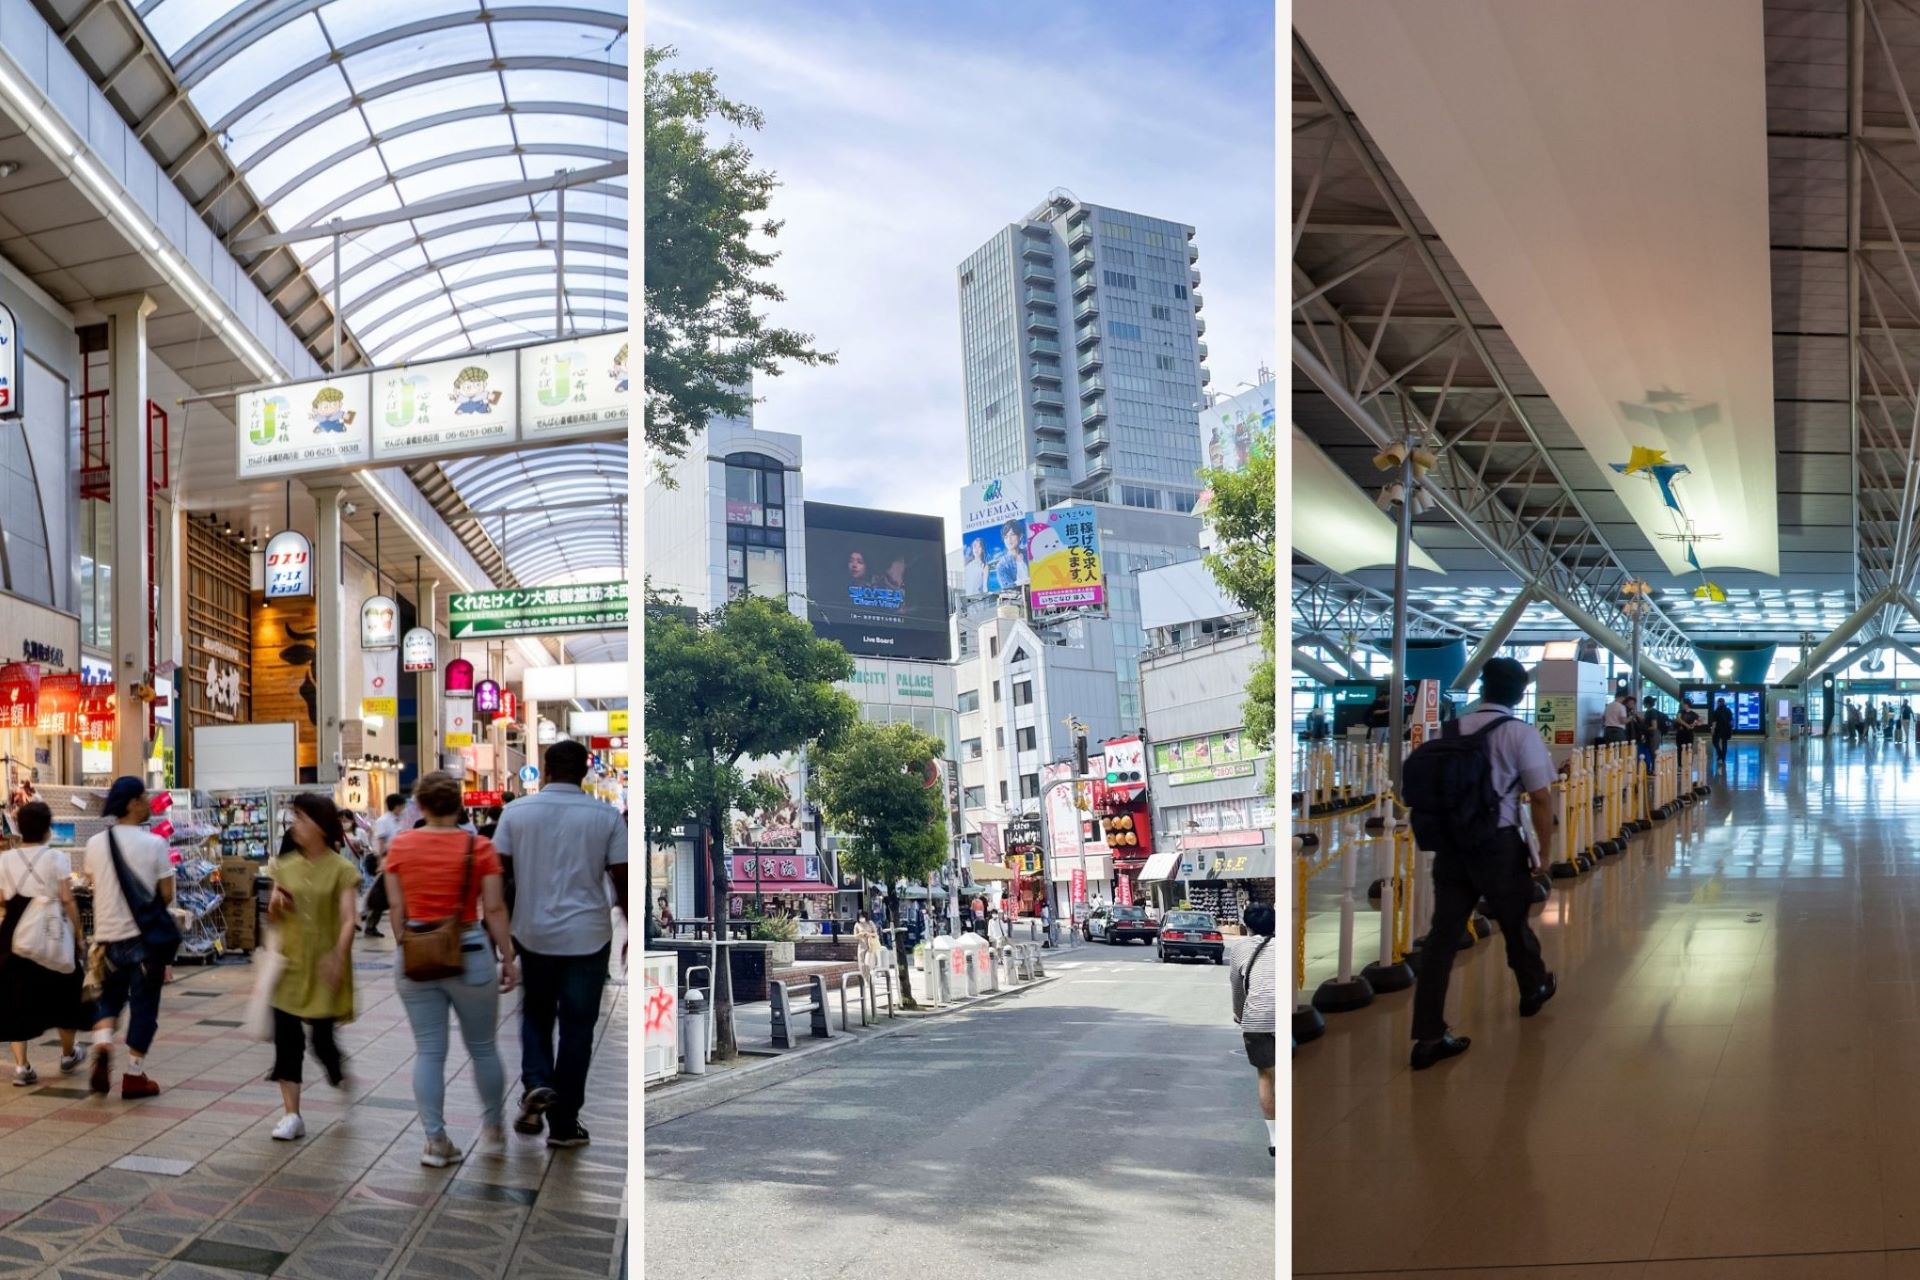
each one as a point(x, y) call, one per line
point(344, 108)
point(555, 513)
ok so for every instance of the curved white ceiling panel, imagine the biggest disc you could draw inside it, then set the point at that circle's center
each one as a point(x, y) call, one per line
point(1599, 170)
point(1336, 523)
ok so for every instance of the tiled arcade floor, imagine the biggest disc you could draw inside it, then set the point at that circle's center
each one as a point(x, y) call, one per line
point(189, 1186)
point(1728, 1084)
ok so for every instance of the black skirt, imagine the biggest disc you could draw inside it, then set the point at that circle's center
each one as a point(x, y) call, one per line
point(35, 1000)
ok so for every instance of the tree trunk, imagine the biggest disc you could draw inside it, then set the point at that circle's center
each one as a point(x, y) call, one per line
point(724, 1045)
point(902, 963)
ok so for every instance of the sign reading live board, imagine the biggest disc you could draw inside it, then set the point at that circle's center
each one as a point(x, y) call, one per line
point(585, 606)
point(462, 404)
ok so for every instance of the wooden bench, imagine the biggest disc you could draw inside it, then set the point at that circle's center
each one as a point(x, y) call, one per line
point(791, 997)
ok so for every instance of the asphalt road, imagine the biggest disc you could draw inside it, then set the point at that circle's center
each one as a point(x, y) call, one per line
point(1104, 1124)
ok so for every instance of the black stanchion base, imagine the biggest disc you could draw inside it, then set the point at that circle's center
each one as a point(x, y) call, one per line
point(1373, 893)
point(1563, 870)
point(1307, 839)
point(1335, 996)
point(1308, 1025)
point(1479, 927)
point(1388, 978)
point(1640, 824)
point(1542, 889)
point(1376, 822)
point(1585, 861)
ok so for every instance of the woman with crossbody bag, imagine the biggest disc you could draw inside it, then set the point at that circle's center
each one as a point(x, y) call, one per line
point(134, 935)
point(442, 882)
point(1253, 976)
point(40, 970)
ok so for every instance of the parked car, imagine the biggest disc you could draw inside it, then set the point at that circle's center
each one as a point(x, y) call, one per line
point(1192, 933)
point(1129, 924)
point(1094, 927)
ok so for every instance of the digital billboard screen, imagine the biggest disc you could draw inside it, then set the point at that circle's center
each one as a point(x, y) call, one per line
point(877, 581)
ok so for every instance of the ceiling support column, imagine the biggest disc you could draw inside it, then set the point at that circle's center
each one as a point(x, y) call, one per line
point(1840, 635)
point(1318, 670)
point(1491, 642)
point(132, 590)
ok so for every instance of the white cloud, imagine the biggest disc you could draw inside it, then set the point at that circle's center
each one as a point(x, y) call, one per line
point(902, 146)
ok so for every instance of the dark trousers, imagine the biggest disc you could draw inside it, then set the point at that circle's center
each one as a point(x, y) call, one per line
point(290, 1050)
point(132, 983)
point(1720, 747)
point(564, 990)
point(1503, 876)
point(376, 902)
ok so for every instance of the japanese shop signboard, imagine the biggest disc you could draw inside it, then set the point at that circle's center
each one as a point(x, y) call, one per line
point(1063, 560)
point(486, 698)
point(428, 410)
point(58, 709)
point(9, 364)
point(287, 571)
point(418, 650)
point(98, 718)
point(19, 695)
point(379, 684)
point(459, 679)
point(459, 724)
point(574, 387)
point(379, 624)
point(590, 606)
point(304, 426)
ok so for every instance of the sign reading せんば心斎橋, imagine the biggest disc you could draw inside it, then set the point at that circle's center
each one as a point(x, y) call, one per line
point(578, 607)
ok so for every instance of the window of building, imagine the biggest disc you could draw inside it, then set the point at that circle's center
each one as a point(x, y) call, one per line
point(1179, 291)
point(996, 691)
point(1121, 329)
point(1120, 280)
point(1000, 738)
point(993, 646)
point(1023, 693)
point(1028, 739)
point(1161, 311)
point(1003, 793)
point(974, 798)
point(1029, 786)
point(970, 700)
point(756, 527)
point(970, 749)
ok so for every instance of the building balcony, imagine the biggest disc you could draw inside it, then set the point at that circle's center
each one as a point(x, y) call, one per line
point(1086, 334)
point(1092, 387)
point(1095, 441)
point(1044, 372)
point(1199, 326)
point(1193, 278)
point(1040, 250)
point(1042, 322)
point(1050, 451)
point(1044, 347)
point(1099, 468)
point(1206, 375)
point(1193, 253)
point(1044, 397)
point(1090, 360)
point(1090, 308)
point(1084, 285)
point(1042, 298)
point(1094, 414)
point(1050, 424)
point(1198, 302)
point(1203, 349)
point(1080, 234)
point(1078, 215)
point(1034, 273)
point(1036, 228)
point(1082, 260)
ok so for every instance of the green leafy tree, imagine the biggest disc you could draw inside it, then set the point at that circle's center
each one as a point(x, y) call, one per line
point(879, 788)
point(746, 682)
point(1242, 516)
point(704, 202)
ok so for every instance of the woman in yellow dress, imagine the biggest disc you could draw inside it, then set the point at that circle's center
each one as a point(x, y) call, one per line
point(315, 904)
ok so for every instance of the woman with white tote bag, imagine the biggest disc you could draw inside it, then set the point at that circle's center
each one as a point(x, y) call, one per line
point(40, 931)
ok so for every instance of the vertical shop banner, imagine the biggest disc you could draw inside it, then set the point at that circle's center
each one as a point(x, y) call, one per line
point(98, 713)
point(58, 711)
point(419, 651)
point(304, 426)
point(459, 724)
point(1079, 885)
point(10, 373)
point(380, 684)
point(19, 695)
point(1123, 891)
point(445, 406)
point(379, 624)
point(287, 572)
point(1063, 560)
point(576, 386)
point(459, 679)
point(486, 700)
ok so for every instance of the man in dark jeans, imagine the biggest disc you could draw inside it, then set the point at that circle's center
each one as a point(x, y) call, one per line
point(1502, 873)
point(561, 848)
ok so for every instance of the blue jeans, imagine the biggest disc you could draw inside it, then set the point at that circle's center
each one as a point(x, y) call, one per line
point(131, 983)
point(565, 989)
point(474, 998)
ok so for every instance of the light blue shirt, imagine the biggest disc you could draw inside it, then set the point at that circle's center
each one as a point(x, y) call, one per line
point(1516, 757)
point(562, 841)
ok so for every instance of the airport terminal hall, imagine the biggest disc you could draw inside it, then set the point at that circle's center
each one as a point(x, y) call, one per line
point(1605, 684)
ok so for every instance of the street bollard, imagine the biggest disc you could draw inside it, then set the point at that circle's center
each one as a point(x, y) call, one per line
point(1346, 990)
point(1390, 972)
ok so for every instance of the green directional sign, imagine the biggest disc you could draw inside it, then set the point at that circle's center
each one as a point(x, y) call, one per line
point(581, 607)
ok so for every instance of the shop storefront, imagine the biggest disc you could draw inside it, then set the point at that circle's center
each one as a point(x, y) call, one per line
point(41, 695)
point(1222, 872)
point(217, 680)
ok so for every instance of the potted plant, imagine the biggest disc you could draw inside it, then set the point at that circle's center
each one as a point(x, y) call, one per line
point(778, 932)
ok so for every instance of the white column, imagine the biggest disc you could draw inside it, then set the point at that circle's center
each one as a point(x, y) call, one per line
point(533, 739)
point(128, 455)
point(329, 666)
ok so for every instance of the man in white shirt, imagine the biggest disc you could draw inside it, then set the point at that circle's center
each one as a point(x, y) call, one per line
point(133, 976)
point(385, 828)
point(561, 848)
point(1613, 721)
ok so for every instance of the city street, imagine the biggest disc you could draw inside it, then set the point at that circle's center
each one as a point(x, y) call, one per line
point(1101, 1124)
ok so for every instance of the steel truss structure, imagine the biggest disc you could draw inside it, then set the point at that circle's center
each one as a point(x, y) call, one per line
point(1382, 332)
point(1328, 606)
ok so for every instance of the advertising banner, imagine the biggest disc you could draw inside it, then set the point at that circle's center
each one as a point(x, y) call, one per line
point(9, 364)
point(1079, 882)
point(1063, 560)
point(1125, 761)
point(426, 410)
point(1228, 429)
point(304, 426)
point(994, 559)
point(1123, 892)
point(459, 724)
point(486, 699)
point(877, 581)
point(1213, 757)
point(775, 869)
point(380, 684)
point(573, 387)
point(459, 679)
point(590, 606)
point(288, 567)
point(19, 695)
point(98, 714)
point(1063, 818)
point(418, 650)
point(59, 705)
point(379, 624)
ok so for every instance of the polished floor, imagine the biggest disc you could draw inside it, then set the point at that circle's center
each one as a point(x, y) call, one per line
point(1728, 1084)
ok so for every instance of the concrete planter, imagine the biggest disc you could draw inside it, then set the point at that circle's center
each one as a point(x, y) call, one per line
point(779, 954)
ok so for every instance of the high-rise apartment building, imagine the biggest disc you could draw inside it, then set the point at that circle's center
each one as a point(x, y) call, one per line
point(1080, 331)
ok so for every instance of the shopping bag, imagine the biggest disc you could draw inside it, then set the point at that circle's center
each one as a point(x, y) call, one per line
point(268, 965)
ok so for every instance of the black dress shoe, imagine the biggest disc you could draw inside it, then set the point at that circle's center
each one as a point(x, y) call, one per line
point(1428, 1052)
point(1530, 1005)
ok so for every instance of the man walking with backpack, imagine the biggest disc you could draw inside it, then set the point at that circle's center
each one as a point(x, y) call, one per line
point(1465, 791)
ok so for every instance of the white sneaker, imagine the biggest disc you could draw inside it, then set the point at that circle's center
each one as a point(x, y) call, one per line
point(493, 1143)
point(25, 1077)
point(289, 1128)
point(440, 1152)
point(70, 1062)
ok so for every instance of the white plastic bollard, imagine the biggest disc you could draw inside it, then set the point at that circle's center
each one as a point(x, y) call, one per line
point(1345, 991)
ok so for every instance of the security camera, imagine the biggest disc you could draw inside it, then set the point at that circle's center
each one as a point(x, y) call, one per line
point(350, 510)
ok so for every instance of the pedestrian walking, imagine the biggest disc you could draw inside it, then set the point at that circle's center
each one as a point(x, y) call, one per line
point(134, 936)
point(385, 828)
point(1252, 979)
point(1649, 738)
point(1046, 924)
point(36, 993)
point(443, 881)
point(1479, 851)
point(1721, 723)
point(1613, 720)
point(561, 848)
point(314, 905)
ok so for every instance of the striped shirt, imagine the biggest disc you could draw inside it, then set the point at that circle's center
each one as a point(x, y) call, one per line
point(1254, 991)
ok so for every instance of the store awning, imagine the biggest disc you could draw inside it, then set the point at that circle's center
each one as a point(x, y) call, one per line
point(1160, 866)
point(990, 872)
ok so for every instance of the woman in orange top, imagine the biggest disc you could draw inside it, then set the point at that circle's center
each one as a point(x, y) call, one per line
point(425, 870)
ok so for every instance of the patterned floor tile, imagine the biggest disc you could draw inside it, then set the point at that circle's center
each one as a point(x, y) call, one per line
point(233, 1257)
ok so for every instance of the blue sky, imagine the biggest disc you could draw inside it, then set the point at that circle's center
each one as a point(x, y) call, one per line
point(906, 134)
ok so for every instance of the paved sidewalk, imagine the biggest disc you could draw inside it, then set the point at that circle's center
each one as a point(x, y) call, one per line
point(190, 1186)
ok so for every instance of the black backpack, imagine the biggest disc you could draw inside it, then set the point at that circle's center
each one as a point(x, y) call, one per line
point(1447, 786)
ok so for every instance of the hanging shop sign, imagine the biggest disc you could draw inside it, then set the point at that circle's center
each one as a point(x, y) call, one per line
point(509, 705)
point(576, 386)
point(616, 722)
point(486, 698)
point(427, 410)
point(459, 679)
point(418, 651)
point(98, 718)
point(304, 426)
point(379, 685)
point(58, 709)
point(591, 606)
point(19, 695)
point(10, 374)
point(483, 799)
point(459, 724)
point(287, 572)
point(223, 688)
point(379, 624)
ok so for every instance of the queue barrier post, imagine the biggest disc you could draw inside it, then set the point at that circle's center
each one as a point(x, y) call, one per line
point(1390, 972)
point(1308, 1025)
point(1346, 990)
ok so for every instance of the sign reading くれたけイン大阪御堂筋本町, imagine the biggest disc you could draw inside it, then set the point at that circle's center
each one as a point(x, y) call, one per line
point(581, 607)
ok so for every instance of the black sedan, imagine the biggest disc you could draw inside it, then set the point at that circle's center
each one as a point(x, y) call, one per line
point(1192, 934)
point(1125, 924)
